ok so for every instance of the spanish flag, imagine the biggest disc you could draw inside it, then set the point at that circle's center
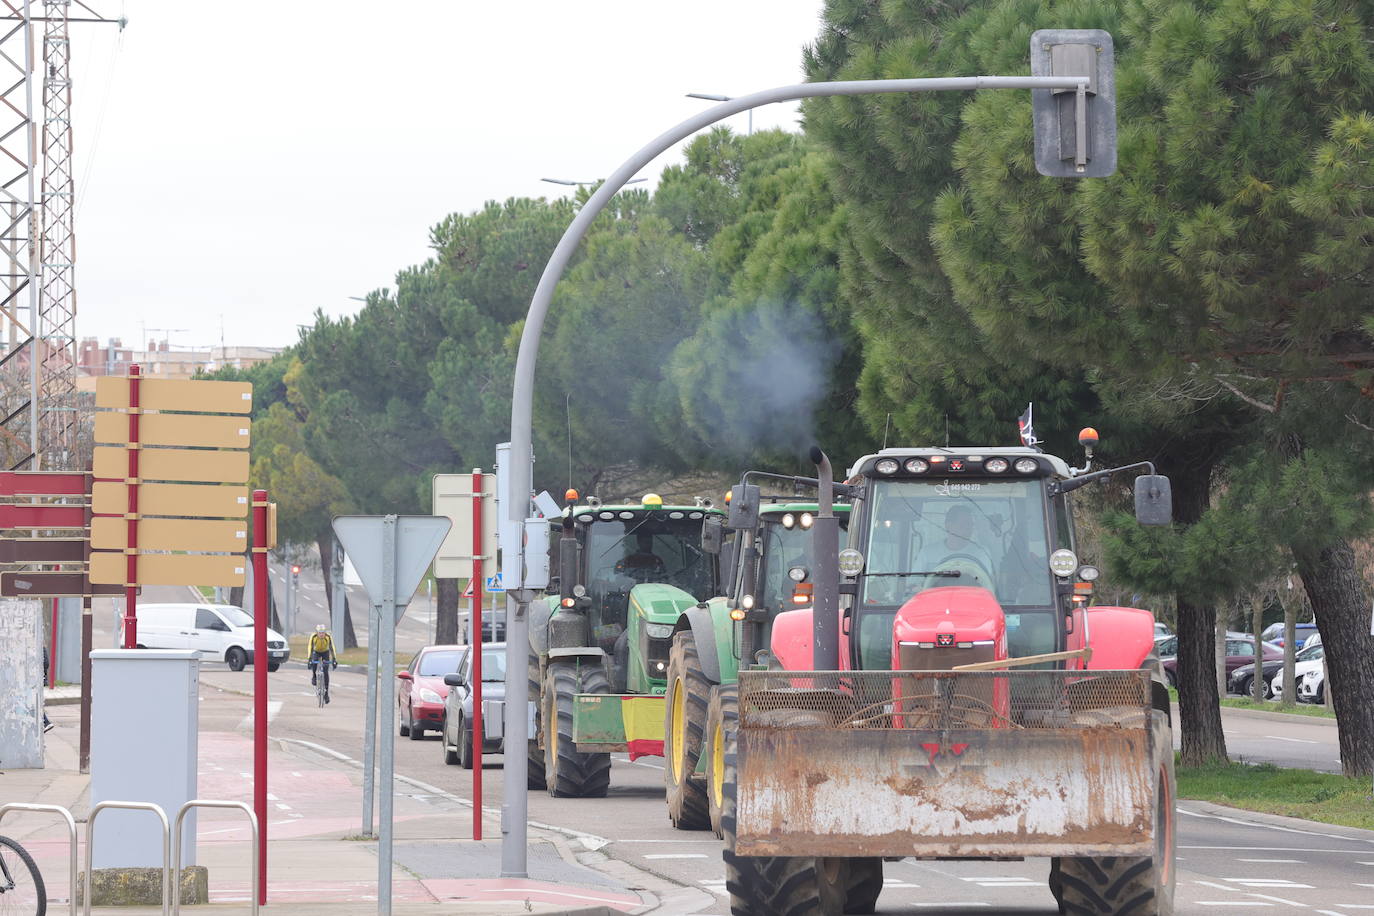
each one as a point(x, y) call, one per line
point(643, 718)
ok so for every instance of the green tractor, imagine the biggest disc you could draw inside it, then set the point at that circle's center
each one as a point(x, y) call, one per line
point(767, 571)
point(599, 644)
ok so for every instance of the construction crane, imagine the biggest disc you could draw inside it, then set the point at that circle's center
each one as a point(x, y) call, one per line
point(39, 416)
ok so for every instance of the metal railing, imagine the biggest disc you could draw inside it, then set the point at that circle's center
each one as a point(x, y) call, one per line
point(166, 848)
point(71, 830)
point(176, 846)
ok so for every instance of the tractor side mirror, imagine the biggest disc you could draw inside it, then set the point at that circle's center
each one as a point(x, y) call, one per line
point(744, 507)
point(1154, 501)
point(727, 566)
point(712, 535)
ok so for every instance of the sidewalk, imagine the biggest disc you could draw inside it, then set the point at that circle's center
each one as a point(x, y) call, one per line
point(316, 862)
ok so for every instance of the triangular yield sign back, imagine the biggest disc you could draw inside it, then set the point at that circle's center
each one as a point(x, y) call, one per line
point(417, 540)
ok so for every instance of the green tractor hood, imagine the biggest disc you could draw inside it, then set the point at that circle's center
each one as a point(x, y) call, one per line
point(654, 612)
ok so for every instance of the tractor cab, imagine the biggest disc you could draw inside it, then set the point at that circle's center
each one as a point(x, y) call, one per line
point(786, 560)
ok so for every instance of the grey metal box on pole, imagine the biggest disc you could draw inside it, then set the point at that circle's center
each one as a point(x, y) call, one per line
point(1075, 129)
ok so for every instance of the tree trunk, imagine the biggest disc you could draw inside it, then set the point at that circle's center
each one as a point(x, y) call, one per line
point(1256, 625)
point(1290, 636)
point(1219, 656)
point(1199, 705)
point(324, 543)
point(1341, 605)
point(446, 612)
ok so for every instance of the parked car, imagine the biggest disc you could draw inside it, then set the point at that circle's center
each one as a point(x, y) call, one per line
point(1162, 630)
point(1314, 640)
point(1311, 660)
point(420, 688)
point(457, 731)
point(1274, 633)
point(218, 632)
point(1240, 648)
point(1243, 677)
point(1312, 688)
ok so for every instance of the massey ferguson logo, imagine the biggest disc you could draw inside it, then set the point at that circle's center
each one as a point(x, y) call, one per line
point(942, 758)
point(944, 640)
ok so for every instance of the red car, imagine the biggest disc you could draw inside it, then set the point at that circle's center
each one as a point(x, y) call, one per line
point(420, 689)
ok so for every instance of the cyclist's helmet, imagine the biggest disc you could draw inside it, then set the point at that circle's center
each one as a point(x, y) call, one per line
point(320, 628)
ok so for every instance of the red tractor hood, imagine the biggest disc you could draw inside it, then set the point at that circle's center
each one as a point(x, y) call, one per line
point(937, 627)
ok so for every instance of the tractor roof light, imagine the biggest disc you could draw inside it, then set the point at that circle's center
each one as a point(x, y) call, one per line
point(806, 519)
point(851, 562)
point(1027, 465)
point(996, 465)
point(916, 466)
point(737, 613)
point(627, 516)
point(747, 602)
point(886, 466)
point(1089, 573)
point(570, 495)
point(606, 516)
point(579, 590)
point(652, 499)
point(789, 520)
point(1063, 563)
point(797, 574)
point(585, 518)
point(1087, 437)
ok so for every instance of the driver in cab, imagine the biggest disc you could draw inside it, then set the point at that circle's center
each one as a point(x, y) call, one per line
point(641, 561)
point(959, 550)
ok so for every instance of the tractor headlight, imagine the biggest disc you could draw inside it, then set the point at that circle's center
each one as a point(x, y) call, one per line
point(851, 562)
point(1063, 563)
point(917, 466)
point(806, 520)
point(788, 521)
point(996, 465)
point(658, 630)
point(747, 602)
point(579, 590)
point(886, 466)
point(1089, 573)
point(1027, 465)
point(797, 574)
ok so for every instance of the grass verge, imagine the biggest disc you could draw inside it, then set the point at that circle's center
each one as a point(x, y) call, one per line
point(1325, 797)
point(1297, 709)
point(299, 652)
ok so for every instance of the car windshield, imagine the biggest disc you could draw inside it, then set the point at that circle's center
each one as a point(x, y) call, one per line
point(646, 547)
point(493, 665)
point(235, 616)
point(931, 533)
point(1311, 654)
point(437, 664)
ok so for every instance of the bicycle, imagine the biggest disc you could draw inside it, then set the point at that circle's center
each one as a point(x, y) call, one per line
point(21, 886)
point(321, 683)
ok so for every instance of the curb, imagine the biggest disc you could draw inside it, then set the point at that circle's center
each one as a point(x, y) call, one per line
point(61, 701)
point(1279, 821)
point(1268, 716)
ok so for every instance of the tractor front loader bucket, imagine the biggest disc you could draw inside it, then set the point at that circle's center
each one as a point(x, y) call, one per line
point(939, 763)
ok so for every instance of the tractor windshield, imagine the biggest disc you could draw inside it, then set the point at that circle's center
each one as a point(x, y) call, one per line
point(782, 548)
point(932, 533)
point(647, 547)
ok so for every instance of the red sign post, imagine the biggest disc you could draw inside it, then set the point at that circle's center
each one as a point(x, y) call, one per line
point(261, 615)
point(131, 523)
point(475, 625)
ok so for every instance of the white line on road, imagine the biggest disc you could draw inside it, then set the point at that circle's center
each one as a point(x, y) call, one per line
point(1267, 882)
point(1301, 906)
point(1356, 906)
point(1283, 861)
point(676, 855)
point(1243, 823)
point(1230, 903)
point(1294, 740)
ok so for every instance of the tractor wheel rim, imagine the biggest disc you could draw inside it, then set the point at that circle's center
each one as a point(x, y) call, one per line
point(552, 732)
point(679, 713)
point(718, 765)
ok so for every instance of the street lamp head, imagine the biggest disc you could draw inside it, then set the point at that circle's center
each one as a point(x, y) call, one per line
point(709, 97)
point(571, 183)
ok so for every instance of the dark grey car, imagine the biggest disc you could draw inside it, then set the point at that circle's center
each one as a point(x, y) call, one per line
point(456, 736)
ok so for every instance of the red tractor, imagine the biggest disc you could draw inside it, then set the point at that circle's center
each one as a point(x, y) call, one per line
point(952, 693)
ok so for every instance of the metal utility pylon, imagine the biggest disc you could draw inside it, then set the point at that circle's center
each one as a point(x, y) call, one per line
point(56, 350)
point(18, 251)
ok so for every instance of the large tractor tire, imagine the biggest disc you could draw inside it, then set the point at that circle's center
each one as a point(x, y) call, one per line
point(722, 717)
point(865, 884)
point(684, 728)
point(1128, 885)
point(569, 773)
point(534, 778)
point(777, 885)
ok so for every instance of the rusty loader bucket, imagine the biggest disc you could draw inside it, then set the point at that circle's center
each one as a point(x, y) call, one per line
point(944, 763)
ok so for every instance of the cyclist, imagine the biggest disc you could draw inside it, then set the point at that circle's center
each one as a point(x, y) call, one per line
point(321, 652)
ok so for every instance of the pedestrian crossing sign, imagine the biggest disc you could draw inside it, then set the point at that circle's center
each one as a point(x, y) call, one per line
point(494, 583)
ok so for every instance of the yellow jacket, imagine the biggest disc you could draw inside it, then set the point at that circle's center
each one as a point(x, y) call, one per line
point(321, 644)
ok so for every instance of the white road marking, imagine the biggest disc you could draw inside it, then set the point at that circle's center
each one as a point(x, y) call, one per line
point(1233, 820)
point(282, 807)
point(1294, 740)
point(1284, 861)
point(273, 707)
point(1358, 884)
point(1220, 887)
point(1356, 906)
point(641, 763)
point(271, 797)
point(1295, 903)
point(1267, 882)
point(950, 904)
point(676, 855)
point(1230, 903)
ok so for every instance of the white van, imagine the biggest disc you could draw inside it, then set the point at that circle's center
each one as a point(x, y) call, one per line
point(219, 632)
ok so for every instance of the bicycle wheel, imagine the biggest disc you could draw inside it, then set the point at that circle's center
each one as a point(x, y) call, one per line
point(319, 690)
point(21, 886)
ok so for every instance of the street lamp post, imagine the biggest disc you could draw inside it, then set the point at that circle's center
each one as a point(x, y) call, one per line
point(722, 98)
point(1055, 134)
point(571, 183)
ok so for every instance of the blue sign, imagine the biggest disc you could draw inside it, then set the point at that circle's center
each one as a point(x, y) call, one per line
point(494, 583)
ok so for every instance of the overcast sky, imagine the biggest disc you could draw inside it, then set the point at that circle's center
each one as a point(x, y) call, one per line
point(247, 163)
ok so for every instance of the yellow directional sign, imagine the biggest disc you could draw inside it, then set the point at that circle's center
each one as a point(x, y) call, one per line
point(176, 394)
point(199, 465)
point(230, 535)
point(169, 569)
point(184, 499)
point(174, 429)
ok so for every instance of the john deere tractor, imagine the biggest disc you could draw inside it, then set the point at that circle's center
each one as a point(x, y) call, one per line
point(599, 644)
point(767, 568)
